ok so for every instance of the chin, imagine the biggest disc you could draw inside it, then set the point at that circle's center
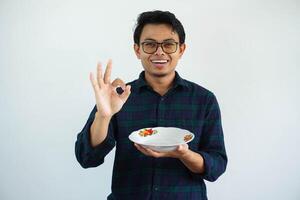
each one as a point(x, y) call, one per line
point(159, 73)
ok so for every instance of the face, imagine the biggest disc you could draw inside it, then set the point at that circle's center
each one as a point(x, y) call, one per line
point(159, 63)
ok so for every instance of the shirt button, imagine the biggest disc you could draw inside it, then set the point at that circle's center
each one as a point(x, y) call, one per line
point(161, 99)
point(155, 188)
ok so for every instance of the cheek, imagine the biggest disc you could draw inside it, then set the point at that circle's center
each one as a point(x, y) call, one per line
point(144, 58)
point(144, 61)
point(174, 60)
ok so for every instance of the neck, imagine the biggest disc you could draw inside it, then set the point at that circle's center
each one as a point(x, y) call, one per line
point(160, 84)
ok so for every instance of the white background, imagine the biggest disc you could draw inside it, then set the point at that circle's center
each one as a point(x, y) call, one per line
point(246, 52)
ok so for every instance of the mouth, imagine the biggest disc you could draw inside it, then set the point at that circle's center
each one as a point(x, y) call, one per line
point(160, 63)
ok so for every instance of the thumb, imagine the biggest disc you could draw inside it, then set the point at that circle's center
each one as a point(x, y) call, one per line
point(179, 148)
point(182, 147)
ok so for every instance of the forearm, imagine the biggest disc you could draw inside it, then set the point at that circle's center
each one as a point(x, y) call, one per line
point(193, 161)
point(99, 129)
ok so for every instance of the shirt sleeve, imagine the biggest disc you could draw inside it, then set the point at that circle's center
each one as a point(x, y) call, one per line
point(88, 156)
point(212, 147)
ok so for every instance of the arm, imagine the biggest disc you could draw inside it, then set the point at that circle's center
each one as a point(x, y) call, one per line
point(87, 154)
point(99, 129)
point(212, 147)
point(210, 161)
point(96, 139)
point(192, 160)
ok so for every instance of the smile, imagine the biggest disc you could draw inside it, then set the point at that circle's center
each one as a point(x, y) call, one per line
point(159, 61)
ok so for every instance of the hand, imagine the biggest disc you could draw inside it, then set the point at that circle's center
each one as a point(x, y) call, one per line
point(108, 100)
point(181, 151)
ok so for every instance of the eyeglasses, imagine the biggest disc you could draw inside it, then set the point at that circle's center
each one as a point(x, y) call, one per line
point(151, 47)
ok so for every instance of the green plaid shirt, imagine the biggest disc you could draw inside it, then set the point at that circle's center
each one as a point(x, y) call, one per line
point(136, 176)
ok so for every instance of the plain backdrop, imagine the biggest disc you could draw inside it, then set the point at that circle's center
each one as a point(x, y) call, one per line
point(246, 52)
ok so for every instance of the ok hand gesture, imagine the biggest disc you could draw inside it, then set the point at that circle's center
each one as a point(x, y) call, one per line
point(108, 100)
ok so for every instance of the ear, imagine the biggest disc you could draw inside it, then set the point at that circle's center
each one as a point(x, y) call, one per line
point(181, 49)
point(137, 51)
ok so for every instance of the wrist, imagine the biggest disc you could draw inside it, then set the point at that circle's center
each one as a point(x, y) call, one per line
point(102, 118)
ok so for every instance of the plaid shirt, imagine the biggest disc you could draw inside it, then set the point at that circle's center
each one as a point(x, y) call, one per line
point(139, 177)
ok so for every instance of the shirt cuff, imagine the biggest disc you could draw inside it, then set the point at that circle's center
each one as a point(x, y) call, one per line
point(104, 147)
point(208, 165)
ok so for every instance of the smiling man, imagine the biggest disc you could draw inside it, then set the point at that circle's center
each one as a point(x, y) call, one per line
point(159, 50)
point(158, 98)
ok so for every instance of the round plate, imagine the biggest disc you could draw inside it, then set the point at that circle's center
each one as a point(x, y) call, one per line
point(161, 139)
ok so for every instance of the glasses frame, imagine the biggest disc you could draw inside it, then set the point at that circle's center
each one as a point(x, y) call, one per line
point(159, 44)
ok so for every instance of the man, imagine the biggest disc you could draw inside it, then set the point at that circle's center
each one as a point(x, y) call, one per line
point(159, 97)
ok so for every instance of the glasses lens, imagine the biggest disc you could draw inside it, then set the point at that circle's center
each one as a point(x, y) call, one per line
point(167, 47)
point(149, 47)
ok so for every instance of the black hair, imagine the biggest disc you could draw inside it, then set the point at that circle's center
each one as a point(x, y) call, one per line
point(158, 17)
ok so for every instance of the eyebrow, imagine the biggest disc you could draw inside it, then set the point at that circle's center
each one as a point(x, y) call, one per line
point(169, 39)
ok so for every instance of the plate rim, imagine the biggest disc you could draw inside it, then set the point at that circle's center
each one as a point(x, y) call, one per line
point(156, 145)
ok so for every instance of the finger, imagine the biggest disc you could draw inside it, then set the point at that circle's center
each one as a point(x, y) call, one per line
point(144, 150)
point(107, 73)
point(94, 83)
point(182, 149)
point(179, 148)
point(155, 153)
point(184, 146)
point(151, 152)
point(99, 75)
point(124, 96)
point(118, 82)
point(141, 149)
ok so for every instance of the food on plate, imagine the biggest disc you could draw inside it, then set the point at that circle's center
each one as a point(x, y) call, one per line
point(147, 132)
point(187, 137)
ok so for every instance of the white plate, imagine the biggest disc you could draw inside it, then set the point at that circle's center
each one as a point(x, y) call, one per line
point(165, 139)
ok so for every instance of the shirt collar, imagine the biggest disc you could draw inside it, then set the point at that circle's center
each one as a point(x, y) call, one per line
point(178, 81)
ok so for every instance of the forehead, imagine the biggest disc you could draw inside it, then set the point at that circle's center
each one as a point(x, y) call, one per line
point(158, 32)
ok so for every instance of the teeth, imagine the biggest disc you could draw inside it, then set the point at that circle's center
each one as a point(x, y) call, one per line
point(159, 61)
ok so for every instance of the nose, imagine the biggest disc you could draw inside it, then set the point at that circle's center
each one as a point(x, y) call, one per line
point(159, 51)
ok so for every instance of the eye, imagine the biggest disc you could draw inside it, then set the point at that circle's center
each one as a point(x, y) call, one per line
point(150, 44)
point(168, 44)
